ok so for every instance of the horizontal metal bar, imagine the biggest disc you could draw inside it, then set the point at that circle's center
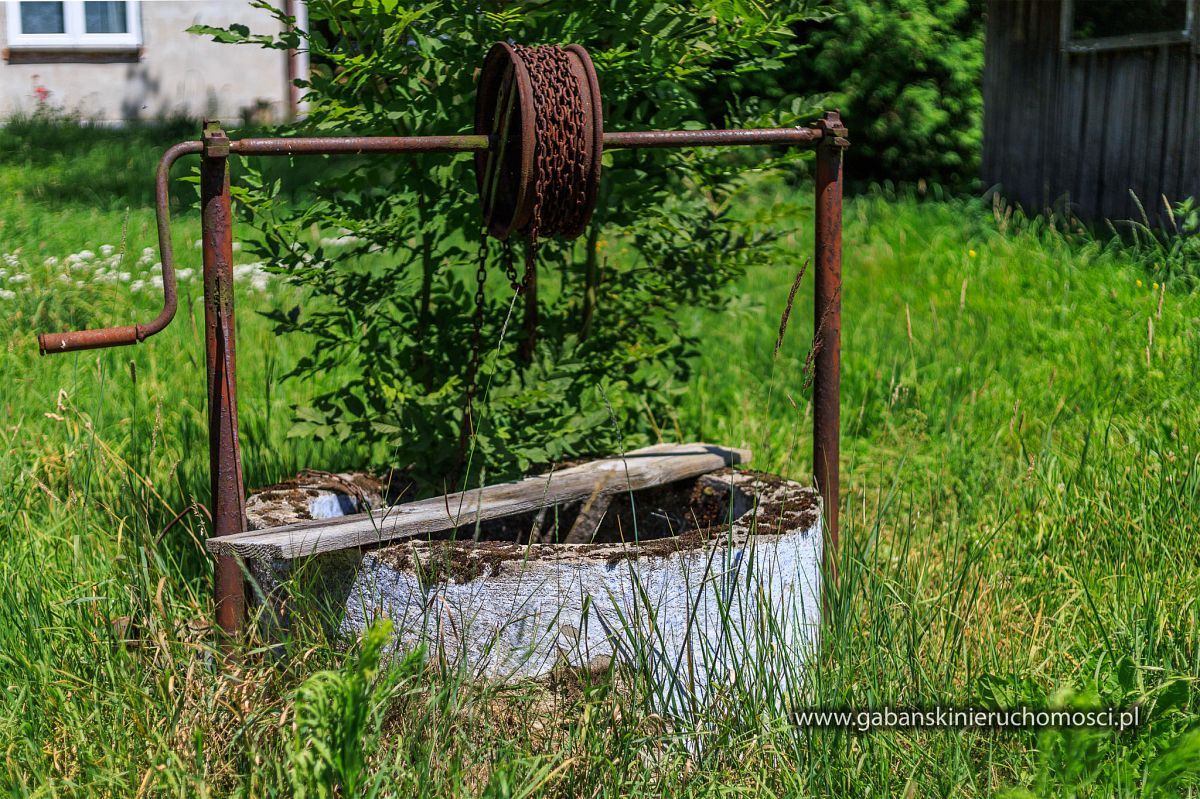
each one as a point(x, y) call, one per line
point(713, 138)
point(349, 145)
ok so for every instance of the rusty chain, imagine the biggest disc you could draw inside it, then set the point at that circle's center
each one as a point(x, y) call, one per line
point(560, 199)
point(508, 259)
point(476, 338)
point(560, 189)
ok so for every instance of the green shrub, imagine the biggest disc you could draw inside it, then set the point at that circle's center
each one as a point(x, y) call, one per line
point(907, 76)
point(395, 304)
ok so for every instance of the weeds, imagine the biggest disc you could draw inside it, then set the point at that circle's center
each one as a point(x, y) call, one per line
point(338, 715)
point(1022, 513)
point(1170, 252)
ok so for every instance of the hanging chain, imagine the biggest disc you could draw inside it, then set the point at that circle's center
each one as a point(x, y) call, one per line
point(476, 334)
point(560, 191)
point(560, 196)
point(508, 259)
point(560, 188)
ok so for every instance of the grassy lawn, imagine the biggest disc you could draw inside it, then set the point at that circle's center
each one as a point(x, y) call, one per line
point(1022, 509)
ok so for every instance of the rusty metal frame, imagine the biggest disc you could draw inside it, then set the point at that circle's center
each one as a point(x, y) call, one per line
point(826, 136)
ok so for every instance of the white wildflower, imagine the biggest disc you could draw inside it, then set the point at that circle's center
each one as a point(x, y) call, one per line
point(199, 243)
point(137, 286)
point(259, 282)
point(86, 255)
point(124, 276)
point(19, 277)
point(147, 252)
point(156, 281)
point(107, 250)
point(51, 261)
point(5, 294)
point(185, 274)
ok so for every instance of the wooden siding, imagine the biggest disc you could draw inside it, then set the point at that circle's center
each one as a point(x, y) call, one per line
point(1086, 128)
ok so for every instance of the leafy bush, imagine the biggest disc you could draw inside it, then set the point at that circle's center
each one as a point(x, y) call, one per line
point(394, 299)
point(907, 76)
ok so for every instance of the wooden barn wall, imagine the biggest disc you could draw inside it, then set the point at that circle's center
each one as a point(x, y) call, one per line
point(1086, 128)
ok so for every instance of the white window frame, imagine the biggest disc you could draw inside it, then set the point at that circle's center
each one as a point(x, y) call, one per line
point(75, 36)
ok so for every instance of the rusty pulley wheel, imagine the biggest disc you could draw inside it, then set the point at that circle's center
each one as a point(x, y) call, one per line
point(541, 105)
point(540, 176)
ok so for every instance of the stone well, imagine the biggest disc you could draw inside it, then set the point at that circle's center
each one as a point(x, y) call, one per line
point(699, 582)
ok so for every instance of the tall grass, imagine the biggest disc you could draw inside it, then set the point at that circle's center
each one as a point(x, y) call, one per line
point(1020, 525)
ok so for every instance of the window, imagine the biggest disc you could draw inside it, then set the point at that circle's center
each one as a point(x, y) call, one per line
point(74, 24)
point(1092, 25)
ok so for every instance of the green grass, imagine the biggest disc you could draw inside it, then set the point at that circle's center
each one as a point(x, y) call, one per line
point(1021, 520)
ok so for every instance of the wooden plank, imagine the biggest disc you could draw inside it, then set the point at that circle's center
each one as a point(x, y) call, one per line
point(1049, 130)
point(663, 463)
point(996, 46)
point(1177, 80)
point(1115, 196)
point(590, 515)
point(1136, 106)
point(1006, 50)
point(1073, 111)
point(1022, 178)
point(1117, 124)
point(1155, 137)
point(1189, 169)
point(1090, 152)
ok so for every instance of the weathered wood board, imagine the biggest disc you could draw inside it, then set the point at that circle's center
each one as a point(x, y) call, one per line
point(656, 465)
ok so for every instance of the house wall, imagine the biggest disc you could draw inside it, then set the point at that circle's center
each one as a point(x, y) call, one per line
point(176, 73)
point(1084, 129)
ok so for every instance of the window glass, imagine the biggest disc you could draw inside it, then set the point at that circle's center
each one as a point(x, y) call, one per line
point(42, 17)
point(1097, 19)
point(105, 17)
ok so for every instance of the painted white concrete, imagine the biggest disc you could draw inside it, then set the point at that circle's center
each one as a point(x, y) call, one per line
point(744, 609)
point(175, 73)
